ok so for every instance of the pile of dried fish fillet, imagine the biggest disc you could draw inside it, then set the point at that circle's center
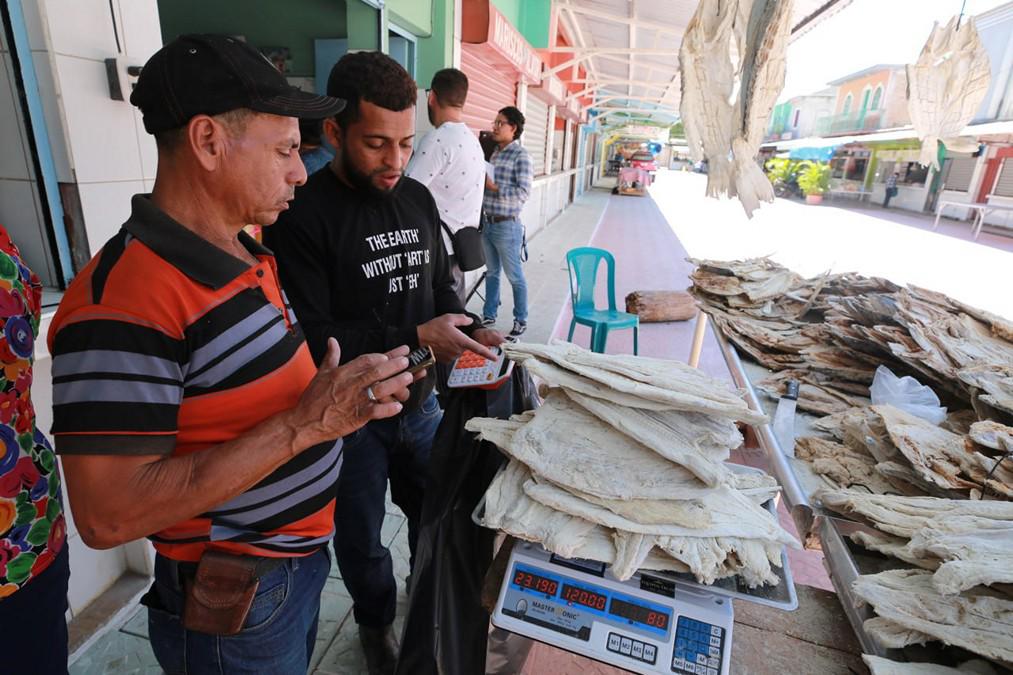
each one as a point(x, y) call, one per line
point(880, 666)
point(911, 611)
point(624, 462)
point(965, 543)
point(959, 594)
point(883, 449)
point(833, 331)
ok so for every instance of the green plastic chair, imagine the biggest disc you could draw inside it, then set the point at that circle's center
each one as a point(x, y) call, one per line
point(582, 264)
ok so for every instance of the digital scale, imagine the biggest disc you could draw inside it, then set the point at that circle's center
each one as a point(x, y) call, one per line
point(654, 622)
point(473, 371)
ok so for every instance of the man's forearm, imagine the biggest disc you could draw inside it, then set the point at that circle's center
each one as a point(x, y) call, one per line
point(149, 494)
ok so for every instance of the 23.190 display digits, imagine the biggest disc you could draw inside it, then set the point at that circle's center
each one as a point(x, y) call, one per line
point(535, 582)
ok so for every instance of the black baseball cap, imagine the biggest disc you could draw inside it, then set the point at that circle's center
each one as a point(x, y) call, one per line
point(213, 74)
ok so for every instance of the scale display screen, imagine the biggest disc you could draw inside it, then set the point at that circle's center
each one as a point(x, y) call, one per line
point(638, 613)
point(584, 597)
point(536, 583)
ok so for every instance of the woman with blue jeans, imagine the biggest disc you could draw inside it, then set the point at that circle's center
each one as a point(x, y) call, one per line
point(502, 231)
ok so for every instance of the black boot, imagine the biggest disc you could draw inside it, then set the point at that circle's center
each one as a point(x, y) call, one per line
point(381, 649)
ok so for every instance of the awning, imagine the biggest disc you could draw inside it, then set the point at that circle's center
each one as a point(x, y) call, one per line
point(814, 154)
point(817, 145)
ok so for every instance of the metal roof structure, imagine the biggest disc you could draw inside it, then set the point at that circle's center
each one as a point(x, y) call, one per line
point(630, 50)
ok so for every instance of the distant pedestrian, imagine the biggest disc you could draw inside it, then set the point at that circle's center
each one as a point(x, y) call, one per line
point(503, 232)
point(449, 161)
point(314, 154)
point(891, 189)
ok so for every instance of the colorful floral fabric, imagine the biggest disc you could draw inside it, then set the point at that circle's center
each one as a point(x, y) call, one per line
point(32, 526)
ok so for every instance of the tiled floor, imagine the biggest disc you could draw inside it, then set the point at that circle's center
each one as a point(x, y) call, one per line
point(126, 651)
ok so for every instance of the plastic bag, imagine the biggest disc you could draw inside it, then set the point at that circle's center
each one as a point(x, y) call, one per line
point(446, 628)
point(906, 393)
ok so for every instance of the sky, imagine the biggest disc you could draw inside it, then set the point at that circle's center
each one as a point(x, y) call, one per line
point(865, 33)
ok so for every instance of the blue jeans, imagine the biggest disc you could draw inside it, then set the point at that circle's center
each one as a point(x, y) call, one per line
point(503, 242)
point(396, 449)
point(278, 636)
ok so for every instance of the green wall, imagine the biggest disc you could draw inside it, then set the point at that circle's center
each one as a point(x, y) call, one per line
point(362, 30)
point(264, 23)
point(415, 16)
point(437, 51)
point(530, 17)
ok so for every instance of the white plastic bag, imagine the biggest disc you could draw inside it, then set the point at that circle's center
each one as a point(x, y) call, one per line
point(907, 394)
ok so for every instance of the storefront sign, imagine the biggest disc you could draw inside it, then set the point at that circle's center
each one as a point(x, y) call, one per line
point(506, 40)
point(484, 24)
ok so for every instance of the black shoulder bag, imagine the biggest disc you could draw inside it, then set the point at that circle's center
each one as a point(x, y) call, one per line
point(468, 247)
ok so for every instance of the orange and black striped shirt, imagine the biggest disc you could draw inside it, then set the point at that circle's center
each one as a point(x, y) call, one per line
point(167, 344)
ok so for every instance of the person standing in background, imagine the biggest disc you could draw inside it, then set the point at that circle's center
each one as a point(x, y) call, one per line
point(34, 560)
point(314, 154)
point(891, 189)
point(503, 232)
point(449, 161)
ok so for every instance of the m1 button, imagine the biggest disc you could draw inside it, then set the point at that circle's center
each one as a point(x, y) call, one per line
point(613, 644)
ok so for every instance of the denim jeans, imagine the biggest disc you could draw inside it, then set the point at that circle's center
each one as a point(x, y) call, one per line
point(278, 636)
point(396, 449)
point(503, 242)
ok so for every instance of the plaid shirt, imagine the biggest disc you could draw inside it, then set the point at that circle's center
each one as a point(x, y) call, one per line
point(891, 181)
point(513, 178)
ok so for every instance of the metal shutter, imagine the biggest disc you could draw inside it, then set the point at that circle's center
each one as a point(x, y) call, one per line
point(958, 172)
point(536, 130)
point(489, 90)
point(1004, 186)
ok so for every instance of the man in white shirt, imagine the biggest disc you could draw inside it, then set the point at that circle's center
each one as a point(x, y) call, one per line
point(449, 161)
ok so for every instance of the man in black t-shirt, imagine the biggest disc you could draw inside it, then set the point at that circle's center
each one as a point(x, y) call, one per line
point(360, 255)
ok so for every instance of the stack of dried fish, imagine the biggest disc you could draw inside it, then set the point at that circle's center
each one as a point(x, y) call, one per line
point(885, 450)
point(832, 332)
point(964, 550)
point(965, 543)
point(624, 463)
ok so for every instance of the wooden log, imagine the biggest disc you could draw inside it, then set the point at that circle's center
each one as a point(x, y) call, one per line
point(657, 306)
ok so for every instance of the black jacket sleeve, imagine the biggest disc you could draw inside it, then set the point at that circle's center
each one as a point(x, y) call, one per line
point(301, 250)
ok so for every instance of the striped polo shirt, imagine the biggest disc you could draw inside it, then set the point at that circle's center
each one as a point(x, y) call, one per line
point(166, 344)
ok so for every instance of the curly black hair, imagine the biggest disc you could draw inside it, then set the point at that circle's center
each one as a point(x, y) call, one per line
point(514, 117)
point(373, 77)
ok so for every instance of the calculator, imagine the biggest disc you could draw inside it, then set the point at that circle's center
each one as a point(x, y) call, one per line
point(472, 370)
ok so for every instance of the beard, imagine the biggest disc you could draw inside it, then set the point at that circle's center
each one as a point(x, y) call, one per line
point(362, 181)
point(432, 117)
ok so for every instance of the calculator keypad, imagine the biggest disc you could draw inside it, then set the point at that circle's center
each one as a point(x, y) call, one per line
point(699, 647)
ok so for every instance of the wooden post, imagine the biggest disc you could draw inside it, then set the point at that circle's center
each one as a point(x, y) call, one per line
point(698, 334)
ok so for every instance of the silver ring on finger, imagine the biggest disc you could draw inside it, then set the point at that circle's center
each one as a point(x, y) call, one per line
point(370, 395)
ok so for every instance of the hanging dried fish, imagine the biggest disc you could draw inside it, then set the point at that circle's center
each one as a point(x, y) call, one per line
point(945, 88)
point(732, 64)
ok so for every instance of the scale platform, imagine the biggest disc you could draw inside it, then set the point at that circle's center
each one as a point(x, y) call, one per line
point(654, 622)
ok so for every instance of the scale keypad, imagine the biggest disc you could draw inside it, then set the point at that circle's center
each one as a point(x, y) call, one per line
point(472, 369)
point(635, 649)
point(698, 647)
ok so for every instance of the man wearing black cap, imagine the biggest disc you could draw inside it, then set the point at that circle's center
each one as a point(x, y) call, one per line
point(187, 407)
point(361, 255)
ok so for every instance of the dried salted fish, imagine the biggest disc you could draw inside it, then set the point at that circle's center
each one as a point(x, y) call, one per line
point(880, 666)
point(978, 622)
point(842, 466)
point(945, 88)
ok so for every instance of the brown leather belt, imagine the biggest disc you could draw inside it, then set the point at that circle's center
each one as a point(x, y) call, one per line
point(500, 219)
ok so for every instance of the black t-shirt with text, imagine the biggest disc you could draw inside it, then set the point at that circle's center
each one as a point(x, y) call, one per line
point(363, 269)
